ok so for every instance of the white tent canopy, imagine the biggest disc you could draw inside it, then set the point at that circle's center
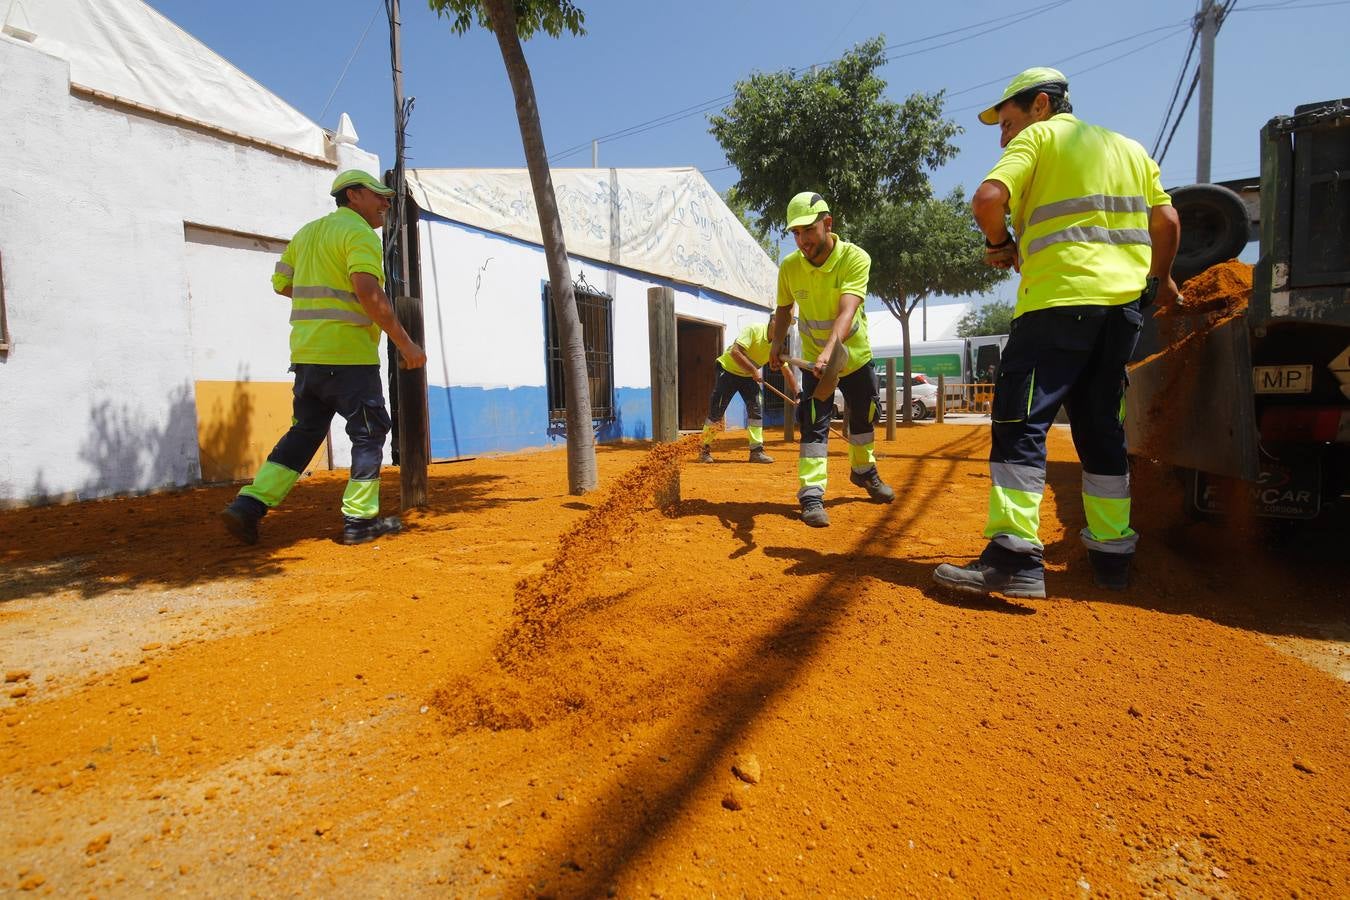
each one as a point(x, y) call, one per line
point(667, 222)
point(128, 50)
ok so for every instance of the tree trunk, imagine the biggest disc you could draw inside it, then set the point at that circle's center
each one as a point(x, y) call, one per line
point(908, 402)
point(581, 473)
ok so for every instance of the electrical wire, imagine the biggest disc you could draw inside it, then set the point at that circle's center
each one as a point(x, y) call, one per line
point(333, 93)
point(1189, 93)
point(1176, 90)
point(696, 109)
point(1175, 29)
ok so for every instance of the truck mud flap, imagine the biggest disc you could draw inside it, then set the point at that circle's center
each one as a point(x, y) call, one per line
point(1192, 404)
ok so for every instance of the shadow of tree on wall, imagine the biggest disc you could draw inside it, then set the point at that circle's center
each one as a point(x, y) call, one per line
point(128, 450)
point(225, 435)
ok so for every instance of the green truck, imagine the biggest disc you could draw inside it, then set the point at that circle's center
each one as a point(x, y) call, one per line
point(1256, 409)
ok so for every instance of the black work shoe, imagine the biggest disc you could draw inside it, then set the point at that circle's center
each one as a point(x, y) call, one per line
point(241, 520)
point(758, 455)
point(358, 531)
point(877, 489)
point(705, 455)
point(813, 512)
point(1110, 570)
point(982, 578)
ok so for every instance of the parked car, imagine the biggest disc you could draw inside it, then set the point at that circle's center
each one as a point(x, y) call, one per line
point(922, 397)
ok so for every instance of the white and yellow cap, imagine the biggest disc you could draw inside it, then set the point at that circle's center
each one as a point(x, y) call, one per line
point(805, 208)
point(1052, 81)
point(354, 178)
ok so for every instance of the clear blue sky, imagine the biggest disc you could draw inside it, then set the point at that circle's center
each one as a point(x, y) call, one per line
point(642, 60)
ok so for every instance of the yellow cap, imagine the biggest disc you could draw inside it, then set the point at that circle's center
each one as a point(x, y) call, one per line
point(805, 208)
point(353, 177)
point(1050, 80)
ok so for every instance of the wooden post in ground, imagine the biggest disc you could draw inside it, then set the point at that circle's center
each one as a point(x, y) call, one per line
point(663, 349)
point(414, 434)
point(941, 400)
point(664, 358)
point(890, 399)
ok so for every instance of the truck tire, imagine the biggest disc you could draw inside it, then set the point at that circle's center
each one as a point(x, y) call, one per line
point(1214, 227)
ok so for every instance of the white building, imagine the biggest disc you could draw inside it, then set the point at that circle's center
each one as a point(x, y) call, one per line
point(484, 282)
point(146, 189)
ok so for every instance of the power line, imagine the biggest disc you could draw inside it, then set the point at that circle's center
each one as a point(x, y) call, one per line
point(1172, 27)
point(378, 5)
point(1173, 32)
point(670, 118)
point(1189, 93)
point(1176, 91)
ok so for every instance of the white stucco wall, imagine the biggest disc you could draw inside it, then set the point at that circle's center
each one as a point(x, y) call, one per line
point(484, 317)
point(93, 205)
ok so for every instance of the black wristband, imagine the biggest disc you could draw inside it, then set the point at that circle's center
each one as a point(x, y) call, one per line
point(1006, 241)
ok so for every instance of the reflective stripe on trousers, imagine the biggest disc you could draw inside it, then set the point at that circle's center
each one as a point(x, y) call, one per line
point(1073, 357)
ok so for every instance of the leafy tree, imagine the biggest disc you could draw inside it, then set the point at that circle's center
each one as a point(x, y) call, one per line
point(923, 247)
point(991, 318)
point(832, 131)
point(511, 21)
point(759, 233)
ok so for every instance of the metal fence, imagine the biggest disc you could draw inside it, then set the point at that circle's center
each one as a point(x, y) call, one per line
point(967, 397)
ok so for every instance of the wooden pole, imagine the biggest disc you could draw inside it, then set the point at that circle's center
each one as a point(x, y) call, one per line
point(661, 334)
point(890, 399)
point(941, 400)
point(414, 434)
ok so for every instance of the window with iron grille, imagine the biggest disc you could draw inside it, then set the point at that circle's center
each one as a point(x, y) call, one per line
point(596, 310)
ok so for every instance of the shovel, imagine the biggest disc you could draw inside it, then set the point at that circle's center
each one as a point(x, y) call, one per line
point(829, 379)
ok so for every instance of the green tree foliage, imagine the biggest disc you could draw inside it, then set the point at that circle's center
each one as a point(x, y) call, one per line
point(511, 21)
point(551, 17)
point(760, 234)
point(923, 247)
point(832, 131)
point(991, 318)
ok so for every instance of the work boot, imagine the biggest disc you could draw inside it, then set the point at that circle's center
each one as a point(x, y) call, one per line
point(358, 531)
point(1110, 570)
point(877, 489)
point(813, 512)
point(705, 454)
point(758, 455)
point(241, 517)
point(982, 578)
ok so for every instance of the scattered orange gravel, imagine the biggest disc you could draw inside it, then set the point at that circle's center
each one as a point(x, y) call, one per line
point(533, 694)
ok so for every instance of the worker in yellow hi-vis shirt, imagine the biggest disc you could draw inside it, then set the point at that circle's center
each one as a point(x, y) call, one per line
point(1094, 236)
point(739, 371)
point(826, 279)
point(333, 271)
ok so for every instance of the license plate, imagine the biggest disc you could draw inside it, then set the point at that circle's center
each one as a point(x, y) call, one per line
point(1282, 492)
point(1282, 379)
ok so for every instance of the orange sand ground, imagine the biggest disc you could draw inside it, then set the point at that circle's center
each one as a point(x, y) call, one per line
point(456, 712)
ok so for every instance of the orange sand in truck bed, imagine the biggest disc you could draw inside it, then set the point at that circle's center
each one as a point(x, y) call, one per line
point(1208, 300)
point(532, 694)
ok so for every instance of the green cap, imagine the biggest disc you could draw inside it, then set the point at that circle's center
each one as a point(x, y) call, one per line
point(805, 208)
point(353, 177)
point(1050, 80)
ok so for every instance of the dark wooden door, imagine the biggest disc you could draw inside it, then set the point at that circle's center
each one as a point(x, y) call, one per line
point(698, 345)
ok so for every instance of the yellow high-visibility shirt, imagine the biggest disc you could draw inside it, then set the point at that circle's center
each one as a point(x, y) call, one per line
point(1080, 197)
point(816, 291)
point(754, 342)
point(328, 325)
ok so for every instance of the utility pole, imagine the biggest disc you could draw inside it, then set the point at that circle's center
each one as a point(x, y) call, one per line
point(595, 154)
point(410, 394)
point(1208, 21)
point(400, 225)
